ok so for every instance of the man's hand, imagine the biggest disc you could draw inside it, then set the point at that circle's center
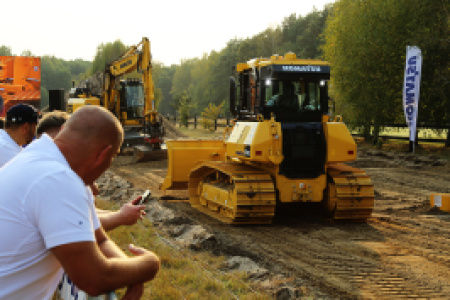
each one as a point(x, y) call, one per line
point(135, 291)
point(130, 213)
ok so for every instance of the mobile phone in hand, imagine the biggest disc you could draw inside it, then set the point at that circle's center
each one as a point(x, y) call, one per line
point(145, 196)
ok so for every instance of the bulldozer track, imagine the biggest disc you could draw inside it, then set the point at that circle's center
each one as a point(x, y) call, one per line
point(236, 194)
point(351, 193)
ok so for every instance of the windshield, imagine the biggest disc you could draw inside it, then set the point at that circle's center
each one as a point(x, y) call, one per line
point(295, 96)
point(135, 101)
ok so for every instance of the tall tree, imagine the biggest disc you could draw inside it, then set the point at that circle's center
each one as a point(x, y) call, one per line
point(107, 53)
point(182, 83)
point(163, 81)
point(184, 104)
point(26, 53)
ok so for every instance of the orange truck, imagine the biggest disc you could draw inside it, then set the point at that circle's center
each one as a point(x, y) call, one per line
point(20, 81)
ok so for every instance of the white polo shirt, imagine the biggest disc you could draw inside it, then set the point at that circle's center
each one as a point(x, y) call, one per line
point(8, 147)
point(43, 204)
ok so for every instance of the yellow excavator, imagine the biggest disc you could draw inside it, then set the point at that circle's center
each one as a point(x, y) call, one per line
point(283, 149)
point(131, 100)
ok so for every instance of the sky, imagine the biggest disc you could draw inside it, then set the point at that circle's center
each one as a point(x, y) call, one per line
point(176, 29)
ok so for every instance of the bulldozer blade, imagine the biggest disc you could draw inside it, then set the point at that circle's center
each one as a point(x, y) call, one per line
point(146, 153)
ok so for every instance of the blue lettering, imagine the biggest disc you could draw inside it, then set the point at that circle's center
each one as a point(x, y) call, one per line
point(409, 87)
point(410, 78)
point(409, 98)
point(412, 60)
point(412, 70)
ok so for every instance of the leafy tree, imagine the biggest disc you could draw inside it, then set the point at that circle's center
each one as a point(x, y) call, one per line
point(5, 51)
point(107, 53)
point(163, 80)
point(26, 53)
point(182, 79)
point(79, 66)
point(310, 41)
point(203, 91)
point(210, 114)
point(302, 35)
point(184, 104)
point(222, 64)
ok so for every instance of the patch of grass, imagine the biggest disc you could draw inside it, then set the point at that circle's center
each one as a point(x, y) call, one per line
point(184, 274)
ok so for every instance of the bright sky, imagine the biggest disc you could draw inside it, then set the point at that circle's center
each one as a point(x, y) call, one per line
point(177, 29)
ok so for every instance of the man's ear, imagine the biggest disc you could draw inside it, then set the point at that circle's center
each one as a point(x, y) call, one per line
point(104, 154)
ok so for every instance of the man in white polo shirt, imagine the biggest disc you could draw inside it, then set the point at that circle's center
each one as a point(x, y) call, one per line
point(20, 124)
point(48, 217)
point(51, 123)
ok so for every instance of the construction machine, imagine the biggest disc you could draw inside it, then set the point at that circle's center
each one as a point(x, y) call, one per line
point(132, 100)
point(20, 81)
point(283, 150)
point(81, 96)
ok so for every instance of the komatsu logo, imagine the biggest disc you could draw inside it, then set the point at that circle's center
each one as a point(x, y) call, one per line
point(301, 68)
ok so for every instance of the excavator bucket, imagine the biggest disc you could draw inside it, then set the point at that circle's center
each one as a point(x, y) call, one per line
point(183, 155)
point(142, 147)
point(142, 153)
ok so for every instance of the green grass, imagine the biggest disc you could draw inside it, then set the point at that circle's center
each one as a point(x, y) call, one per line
point(184, 274)
point(422, 133)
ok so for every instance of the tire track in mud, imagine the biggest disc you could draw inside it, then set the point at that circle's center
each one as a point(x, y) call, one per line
point(353, 273)
point(339, 259)
point(418, 182)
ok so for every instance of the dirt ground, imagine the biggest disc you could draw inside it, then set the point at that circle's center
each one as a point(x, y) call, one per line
point(403, 251)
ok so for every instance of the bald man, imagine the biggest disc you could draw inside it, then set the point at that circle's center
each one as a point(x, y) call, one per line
point(48, 218)
point(51, 124)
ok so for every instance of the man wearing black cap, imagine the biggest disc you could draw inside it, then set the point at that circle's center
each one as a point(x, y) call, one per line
point(20, 125)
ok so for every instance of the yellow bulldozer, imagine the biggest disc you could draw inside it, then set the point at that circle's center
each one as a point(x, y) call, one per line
point(283, 149)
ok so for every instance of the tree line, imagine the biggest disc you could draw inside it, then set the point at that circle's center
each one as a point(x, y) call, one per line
point(364, 40)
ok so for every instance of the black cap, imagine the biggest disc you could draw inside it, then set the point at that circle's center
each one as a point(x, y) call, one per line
point(22, 113)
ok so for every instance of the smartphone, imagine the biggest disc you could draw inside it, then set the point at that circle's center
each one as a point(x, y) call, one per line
point(145, 196)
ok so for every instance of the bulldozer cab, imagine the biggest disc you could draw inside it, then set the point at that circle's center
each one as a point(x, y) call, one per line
point(132, 98)
point(295, 92)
